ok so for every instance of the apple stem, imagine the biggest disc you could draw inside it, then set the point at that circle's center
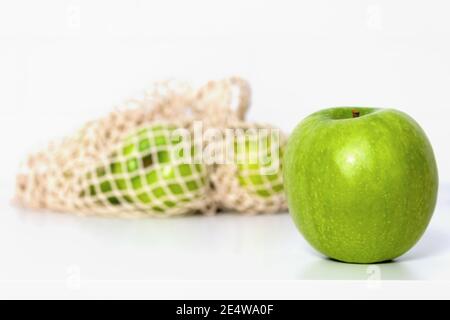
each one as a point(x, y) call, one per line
point(355, 113)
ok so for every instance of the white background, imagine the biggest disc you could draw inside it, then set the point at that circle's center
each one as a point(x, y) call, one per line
point(65, 62)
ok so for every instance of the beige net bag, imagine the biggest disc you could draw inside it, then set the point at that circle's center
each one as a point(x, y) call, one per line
point(145, 158)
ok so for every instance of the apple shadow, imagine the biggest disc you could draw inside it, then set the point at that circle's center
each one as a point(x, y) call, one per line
point(328, 269)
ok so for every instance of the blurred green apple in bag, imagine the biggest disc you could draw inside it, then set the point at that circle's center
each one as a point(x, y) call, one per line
point(258, 160)
point(361, 183)
point(147, 172)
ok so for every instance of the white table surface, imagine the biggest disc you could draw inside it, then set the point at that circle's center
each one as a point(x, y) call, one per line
point(42, 248)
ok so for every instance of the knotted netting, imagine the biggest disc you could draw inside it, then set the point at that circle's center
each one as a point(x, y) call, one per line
point(146, 158)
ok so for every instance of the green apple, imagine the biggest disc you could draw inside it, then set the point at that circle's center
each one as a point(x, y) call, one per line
point(361, 183)
point(146, 173)
point(258, 160)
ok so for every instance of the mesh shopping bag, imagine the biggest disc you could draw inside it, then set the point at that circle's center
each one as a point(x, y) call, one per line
point(132, 162)
point(252, 182)
point(145, 174)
